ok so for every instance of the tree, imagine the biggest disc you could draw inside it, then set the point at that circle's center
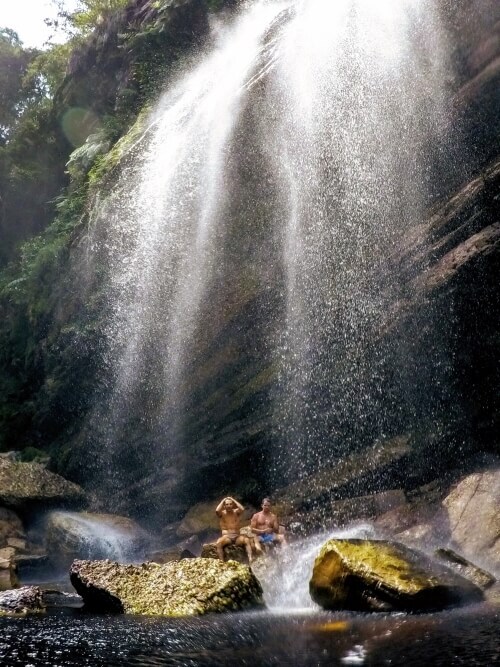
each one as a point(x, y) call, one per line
point(14, 63)
point(32, 152)
point(87, 15)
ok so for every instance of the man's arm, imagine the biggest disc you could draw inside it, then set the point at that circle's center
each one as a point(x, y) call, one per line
point(218, 509)
point(239, 507)
point(254, 526)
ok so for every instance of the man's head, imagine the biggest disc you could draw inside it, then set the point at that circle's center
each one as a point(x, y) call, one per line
point(229, 504)
point(266, 505)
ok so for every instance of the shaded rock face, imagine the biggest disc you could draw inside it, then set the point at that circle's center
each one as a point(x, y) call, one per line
point(8, 569)
point(71, 535)
point(11, 526)
point(25, 600)
point(465, 568)
point(189, 587)
point(199, 519)
point(371, 575)
point(474, 517)
point(29, 487)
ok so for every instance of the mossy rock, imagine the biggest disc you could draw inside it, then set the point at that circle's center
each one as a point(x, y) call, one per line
point(231, 552)
point(190, 587)
point(28, 487)
point(374, 575)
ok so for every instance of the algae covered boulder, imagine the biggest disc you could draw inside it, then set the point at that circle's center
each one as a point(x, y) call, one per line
point(375, 575)
point(190, 587)
point(231, 552)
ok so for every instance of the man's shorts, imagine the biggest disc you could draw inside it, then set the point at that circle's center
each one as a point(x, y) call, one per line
point(267, 538)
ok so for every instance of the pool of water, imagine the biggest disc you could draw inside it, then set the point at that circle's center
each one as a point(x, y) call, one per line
point(66, 637)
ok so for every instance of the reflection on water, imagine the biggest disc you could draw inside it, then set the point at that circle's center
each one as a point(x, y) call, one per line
point(71, 638)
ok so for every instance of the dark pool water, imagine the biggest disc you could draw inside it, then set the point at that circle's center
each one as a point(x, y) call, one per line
point(70, 637)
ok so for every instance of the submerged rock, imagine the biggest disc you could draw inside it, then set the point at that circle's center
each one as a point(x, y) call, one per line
point(28, 487)
point(25, 600)
point(189, 587)
point(371, 575)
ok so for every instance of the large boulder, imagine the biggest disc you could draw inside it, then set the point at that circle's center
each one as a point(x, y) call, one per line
point(25, 600)
point(474, 517)
point(372, 575)
point(71, 535)
point(231, 552)
point(188, 587)
point(201, 519)
point(28, 487)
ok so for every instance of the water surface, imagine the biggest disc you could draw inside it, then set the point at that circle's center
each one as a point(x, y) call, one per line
point(72, 638)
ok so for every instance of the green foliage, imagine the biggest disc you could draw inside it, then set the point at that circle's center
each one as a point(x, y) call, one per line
point(14, 93)
point(88, 15)
point(33, 373)
point(50, 332)
point(32, 149)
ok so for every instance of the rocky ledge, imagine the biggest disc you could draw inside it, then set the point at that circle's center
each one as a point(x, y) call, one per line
point(26, 486)
point(189, 587)
point(376, 575)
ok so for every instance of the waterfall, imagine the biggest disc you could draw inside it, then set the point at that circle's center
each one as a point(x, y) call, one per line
point(285, 575)
point(276, 175)
point(360, 86)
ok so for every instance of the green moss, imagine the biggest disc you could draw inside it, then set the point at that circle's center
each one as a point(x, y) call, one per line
point(379, 560)
point(105, 165)
point(189, 587)
point(383, 576)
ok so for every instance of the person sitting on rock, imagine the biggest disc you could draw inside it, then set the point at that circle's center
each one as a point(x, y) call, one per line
point(266, 528)
point(229, 511)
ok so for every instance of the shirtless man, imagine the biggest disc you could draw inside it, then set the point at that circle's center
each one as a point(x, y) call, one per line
point(265, 527)
point(229, 511)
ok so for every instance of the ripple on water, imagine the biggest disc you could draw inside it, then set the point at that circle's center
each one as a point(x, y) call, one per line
point(70, 638)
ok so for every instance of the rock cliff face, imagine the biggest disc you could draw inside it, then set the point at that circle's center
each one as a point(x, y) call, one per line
point(441, 331)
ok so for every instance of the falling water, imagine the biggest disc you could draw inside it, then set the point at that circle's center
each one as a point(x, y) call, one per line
point(97, 538)
point(360, 87)
point(285, 164)
point(285, 575)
